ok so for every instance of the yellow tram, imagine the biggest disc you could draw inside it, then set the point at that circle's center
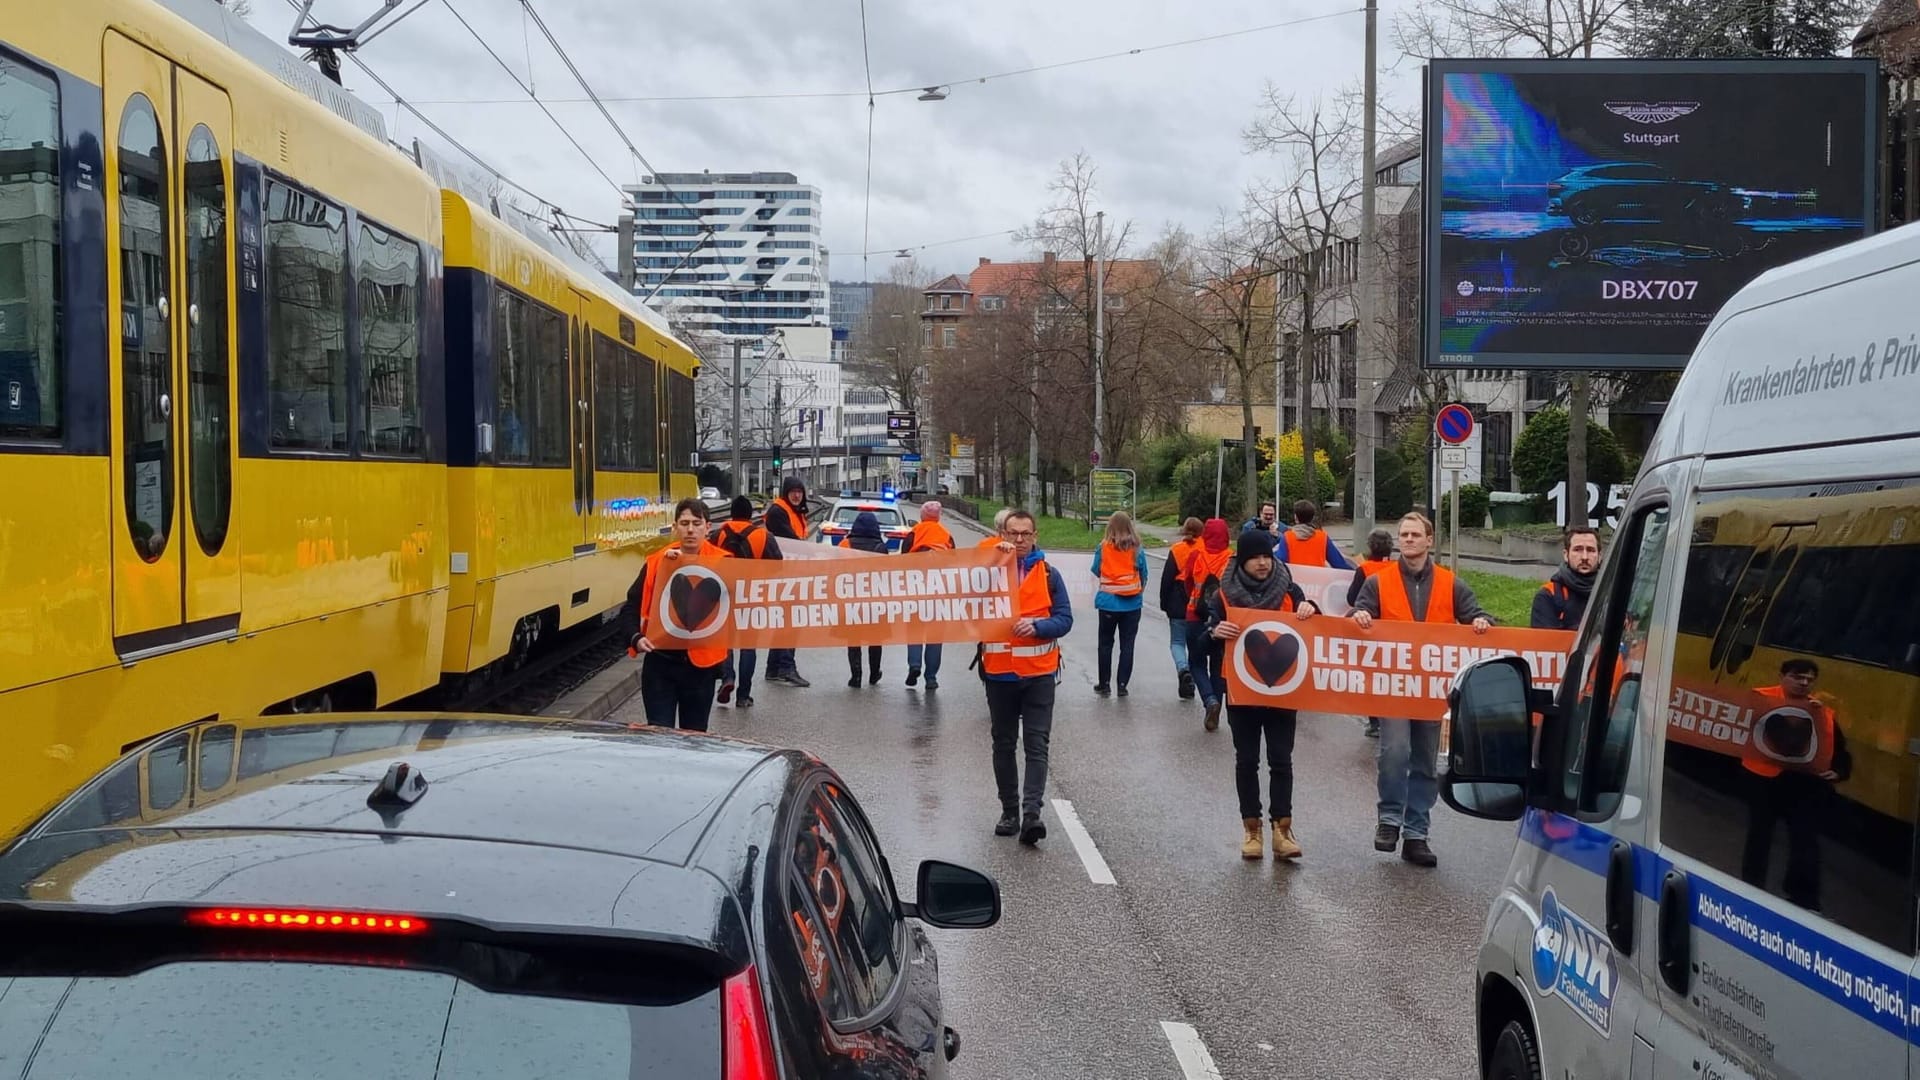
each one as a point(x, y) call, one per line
point(285, 424)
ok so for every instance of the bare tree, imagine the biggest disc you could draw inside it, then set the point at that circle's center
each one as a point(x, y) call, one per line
point(890, 355)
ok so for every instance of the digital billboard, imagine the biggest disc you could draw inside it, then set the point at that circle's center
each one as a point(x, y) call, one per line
point(1595, 214)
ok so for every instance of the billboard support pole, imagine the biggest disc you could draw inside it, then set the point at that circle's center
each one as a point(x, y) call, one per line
point(1220, 474)
point(1366, 360)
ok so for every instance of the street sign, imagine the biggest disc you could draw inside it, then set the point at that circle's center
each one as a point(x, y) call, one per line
point(1109, 491)
point(1453, 458)
point(1094, 457)
point(901, 425)
point(909, 459)
point(1454, 424)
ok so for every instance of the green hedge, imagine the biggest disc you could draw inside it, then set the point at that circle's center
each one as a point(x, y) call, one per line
point(1540, 453)
point(1474, 502)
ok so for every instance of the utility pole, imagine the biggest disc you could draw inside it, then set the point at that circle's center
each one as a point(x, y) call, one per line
point(814, 471)
point(1099, 336)
point(1366, 360)
point(1033, 436)
point(739, 478)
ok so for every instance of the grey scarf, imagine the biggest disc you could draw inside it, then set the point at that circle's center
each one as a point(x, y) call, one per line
point(1244, 591)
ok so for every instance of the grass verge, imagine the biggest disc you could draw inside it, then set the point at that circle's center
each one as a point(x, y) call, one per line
point(1509, 599)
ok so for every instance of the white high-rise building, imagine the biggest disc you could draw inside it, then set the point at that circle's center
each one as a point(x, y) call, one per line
point(736, 254)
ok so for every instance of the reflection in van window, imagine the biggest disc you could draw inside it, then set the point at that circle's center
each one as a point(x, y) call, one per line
point(1794, 699)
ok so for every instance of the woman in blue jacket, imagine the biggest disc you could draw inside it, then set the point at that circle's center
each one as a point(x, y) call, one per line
point(1121, 568)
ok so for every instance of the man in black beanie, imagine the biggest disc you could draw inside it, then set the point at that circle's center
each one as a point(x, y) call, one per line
point(743, 540)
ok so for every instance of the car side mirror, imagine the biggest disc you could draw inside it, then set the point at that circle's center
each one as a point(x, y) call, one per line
point(1491, 707)
point(954, 897)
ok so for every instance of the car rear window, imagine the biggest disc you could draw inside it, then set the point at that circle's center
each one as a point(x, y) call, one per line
point(199, 1020)
point(888, 518)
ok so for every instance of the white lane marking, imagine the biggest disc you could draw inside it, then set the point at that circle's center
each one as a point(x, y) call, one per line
point(1190, 1052)
point(1097, 868)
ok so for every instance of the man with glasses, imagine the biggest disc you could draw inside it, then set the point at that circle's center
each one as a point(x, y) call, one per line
point(1020, 674)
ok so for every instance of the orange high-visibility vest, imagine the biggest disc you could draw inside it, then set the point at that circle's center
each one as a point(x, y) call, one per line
point(930, 536)
point(1202, 565)
point(1395, 604)
point(1372, 567)
point(1759, 764)
point(1024, 656)
point(1177, 554)
point(795, 519)
point(1119, 573)
point(991, 541)
point(699, 655)
point(1311, 551)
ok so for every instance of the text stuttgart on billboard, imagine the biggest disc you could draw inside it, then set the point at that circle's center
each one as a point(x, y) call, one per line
point(1597, 213)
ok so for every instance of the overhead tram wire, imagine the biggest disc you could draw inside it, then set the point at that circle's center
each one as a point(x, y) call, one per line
point(541, 25)
point(866, 206)
point(919, 86)
point(528, 88)
point(442, 132)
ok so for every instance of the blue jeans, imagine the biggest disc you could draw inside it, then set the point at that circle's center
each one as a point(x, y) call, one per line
point(739, 668)
point(931, 653)
point(1199, 654)
point(1408, 758)
point(1125, 624)
point(1177, 643)
point(780, 662)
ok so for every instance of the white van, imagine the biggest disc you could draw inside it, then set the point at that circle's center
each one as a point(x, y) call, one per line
point(1715, 869)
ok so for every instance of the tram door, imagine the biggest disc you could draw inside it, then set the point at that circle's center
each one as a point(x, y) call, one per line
point(176, 567)
point(580, 375)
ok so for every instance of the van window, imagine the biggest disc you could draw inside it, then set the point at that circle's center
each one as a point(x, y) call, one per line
point(1588, 755)
point(1795, 698)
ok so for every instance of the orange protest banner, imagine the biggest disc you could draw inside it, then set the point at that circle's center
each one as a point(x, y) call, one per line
point(857, 599)
point(1761, 727)
point(1398, 669)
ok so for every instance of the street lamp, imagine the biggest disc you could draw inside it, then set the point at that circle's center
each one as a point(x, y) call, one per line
point(934, 93)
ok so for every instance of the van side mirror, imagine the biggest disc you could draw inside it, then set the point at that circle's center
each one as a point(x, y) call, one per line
point(954, 897)
point(1491, 707)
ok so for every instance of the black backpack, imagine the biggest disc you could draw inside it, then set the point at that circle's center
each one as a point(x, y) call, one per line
point(735, 541)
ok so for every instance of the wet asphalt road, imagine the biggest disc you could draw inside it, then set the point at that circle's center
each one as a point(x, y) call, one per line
point(1348, 964)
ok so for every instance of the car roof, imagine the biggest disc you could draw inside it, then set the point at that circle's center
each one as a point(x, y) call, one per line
point(512, 809)
point(1782, 363)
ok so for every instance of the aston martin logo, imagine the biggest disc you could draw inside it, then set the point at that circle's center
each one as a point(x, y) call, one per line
point(1652, 112)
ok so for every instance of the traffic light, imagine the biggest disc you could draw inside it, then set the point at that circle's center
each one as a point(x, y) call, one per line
point(776, 461)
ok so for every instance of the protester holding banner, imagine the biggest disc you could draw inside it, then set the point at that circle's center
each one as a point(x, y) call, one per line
point(1416, 590)
point(1379, 557)
point(927, 535)
point(676, 684)
point(1020, 674)
point(1257, 581)
point(787, 519)
point(1121, 567)
point(1173, 601)
point(743, 540)
point(865, 536)
point(1201, 574)
point(1562, 602)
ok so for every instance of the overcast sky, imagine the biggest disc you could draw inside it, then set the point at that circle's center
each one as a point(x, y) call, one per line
point(1162, 127)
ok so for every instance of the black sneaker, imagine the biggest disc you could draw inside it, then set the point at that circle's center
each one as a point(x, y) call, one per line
point(873, 677)
point(726, 693)
point(1386, 837)
point(933, 683)
point(1416, 851)
point(744, 701)
point(1032, 829)
point(1186, 686)
point(1123, 689)
point(1373, 727)
point(1102, 689)
point(794, 679)
point(913, 676)
point(1212, 722)
point(854, 683)
point(1009, 823)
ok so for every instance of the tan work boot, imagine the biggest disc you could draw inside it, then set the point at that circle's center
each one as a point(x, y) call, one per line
point(1284, 845)
point(1251, 847)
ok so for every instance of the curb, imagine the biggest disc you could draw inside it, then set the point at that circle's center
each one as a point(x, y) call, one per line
point(598, 697)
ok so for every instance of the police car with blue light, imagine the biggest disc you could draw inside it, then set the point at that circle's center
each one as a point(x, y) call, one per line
point(1715, 868)
point(884, 505)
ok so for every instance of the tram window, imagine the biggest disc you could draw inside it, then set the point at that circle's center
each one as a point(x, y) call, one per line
point(1795, 701)
point(306, 320)
point(646, 414)
point(680, 423)
point(386, 270)
point(552, 426)
point(146, 336)
point(615, 442)
point(30, 386)
point(209, 373)
point(512, 379)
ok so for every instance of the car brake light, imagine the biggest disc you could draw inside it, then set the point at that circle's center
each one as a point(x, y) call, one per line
point(746, 1041)
point(343, 922)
